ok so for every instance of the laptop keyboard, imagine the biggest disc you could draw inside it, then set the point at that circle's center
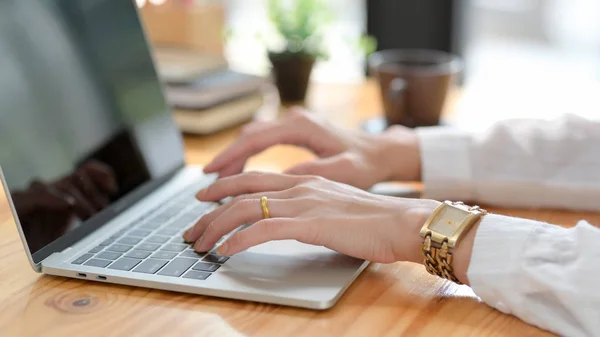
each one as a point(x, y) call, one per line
point(153, 244)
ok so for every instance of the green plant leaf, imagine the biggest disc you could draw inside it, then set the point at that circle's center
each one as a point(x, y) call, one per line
point(367, 44)
point(300, 24)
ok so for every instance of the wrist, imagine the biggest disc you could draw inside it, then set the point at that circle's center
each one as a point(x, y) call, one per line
point(408, 247)
point(447, 240)
point(402, 154)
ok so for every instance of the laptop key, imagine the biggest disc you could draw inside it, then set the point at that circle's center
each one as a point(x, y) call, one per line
point(203, 266)
point(164, 255)
point(107, 242)
point(191, 253)
point(172, 247)
point(177, 267)
point(142, 233)
point(196, 275)
point(118, 234)
point(96, 250)
point(82, 258)
point(158, 239)
point(129, 240)
point(108, 255)
point(97, 263)
point(150, 266)
point(125, 263)
point(150, 225)
point(181, 224)
point(212, 258)
point(178, 239)
point(168, 231)
point(119, 248)
point(148, 246)
point(138, 254)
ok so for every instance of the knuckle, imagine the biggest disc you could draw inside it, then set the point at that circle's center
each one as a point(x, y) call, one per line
point(347, 159)
point(295, 112)
point(254, 176)
point(310, 200)
point(244, 205)
point(202, 220)
point(211, 228)
point(237, 240)
point(299, 117)
point(248, 129)
point(253, 142)
point(315, 178)
point(302, 189)
point(255, 127)
point(210, 189)
point(310, 235)
point(236, 200)
point(269, 228)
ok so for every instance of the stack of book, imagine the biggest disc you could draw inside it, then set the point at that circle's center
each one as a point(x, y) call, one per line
point(207, 96)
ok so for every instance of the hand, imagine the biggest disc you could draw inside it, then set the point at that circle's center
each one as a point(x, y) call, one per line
point(47, 209)
point(347, 156)
point(82, 193)
point(88, 189)
point(312, 210)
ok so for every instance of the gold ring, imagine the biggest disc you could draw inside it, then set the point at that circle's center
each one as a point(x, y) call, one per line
point(264, 204)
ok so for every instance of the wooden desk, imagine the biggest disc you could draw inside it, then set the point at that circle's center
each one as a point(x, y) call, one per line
point(387, 300)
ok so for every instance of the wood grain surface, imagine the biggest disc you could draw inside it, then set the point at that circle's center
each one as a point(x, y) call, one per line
point(386, 300)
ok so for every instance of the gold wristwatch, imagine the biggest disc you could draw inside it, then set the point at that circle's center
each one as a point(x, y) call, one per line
point(440, 233)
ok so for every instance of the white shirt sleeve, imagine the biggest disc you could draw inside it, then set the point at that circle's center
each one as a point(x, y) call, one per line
point(516, 163)
point(544, 274)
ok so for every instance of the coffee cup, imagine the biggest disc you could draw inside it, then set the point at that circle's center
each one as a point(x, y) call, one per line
point(414, 84)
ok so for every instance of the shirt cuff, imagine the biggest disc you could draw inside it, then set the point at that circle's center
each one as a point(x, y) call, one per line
point(497, 256)
point(446, 164)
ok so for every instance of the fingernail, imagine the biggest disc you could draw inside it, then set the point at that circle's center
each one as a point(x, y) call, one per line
point(200, 193)
point(186, 235)
point(198, 244)
point(223, 249)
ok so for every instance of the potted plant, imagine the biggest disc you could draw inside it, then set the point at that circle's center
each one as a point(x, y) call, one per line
point(299, 24)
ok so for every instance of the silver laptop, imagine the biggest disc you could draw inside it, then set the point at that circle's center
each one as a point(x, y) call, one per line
point(93, 166)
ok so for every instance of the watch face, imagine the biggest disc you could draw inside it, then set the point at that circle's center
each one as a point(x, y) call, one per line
point(448, 221)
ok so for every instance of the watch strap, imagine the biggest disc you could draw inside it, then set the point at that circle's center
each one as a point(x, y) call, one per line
point(438, 261)
point(438, 257)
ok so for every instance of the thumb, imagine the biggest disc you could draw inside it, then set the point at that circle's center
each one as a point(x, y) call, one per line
point(330, 168)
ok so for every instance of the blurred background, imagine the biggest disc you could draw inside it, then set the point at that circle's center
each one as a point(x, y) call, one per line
point(522, 58)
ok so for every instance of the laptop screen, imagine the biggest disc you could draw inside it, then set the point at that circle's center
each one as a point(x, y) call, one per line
point(83, 122)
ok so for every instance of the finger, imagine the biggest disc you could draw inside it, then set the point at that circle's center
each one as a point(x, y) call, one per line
point(192, 234)
point(48, 199)
point(102, 176)
point(245, 183)
point(247, 211)
point(236, 167)
point(252, 127)
point(64, 197)
point(269, 230)
point(256, 126)
point(82, 208)
point(284, 132)
point(89, 190)
point(327, 167)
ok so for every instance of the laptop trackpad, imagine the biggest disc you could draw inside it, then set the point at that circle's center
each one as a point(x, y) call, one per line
point(288, 261)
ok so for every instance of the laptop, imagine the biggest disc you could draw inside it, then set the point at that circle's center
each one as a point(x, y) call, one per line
point(93, 166)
